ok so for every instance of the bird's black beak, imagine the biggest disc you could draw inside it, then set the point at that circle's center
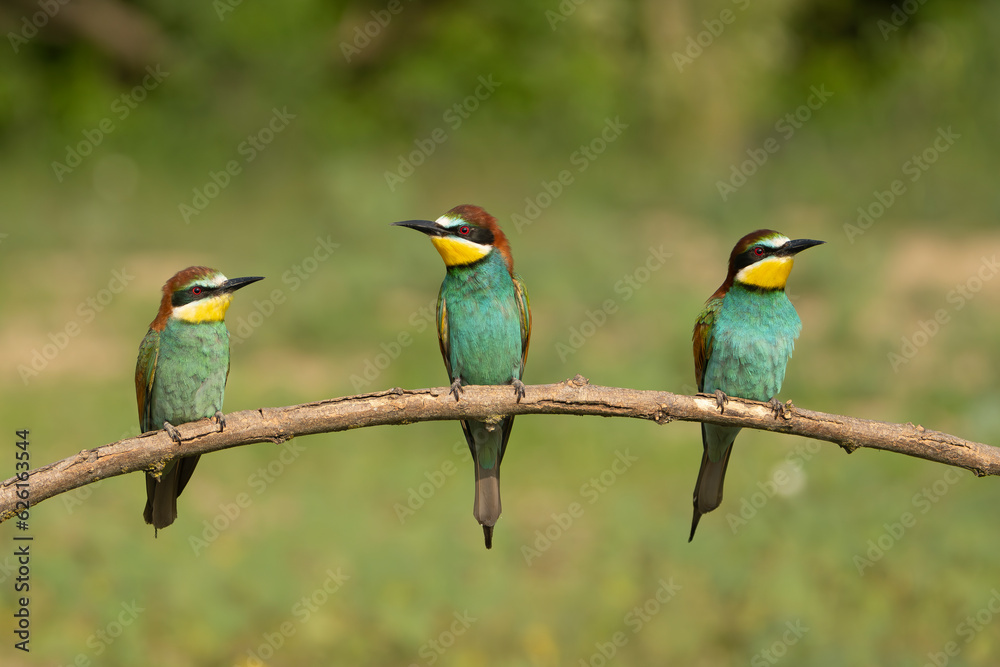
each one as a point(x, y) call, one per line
point(234, 284)
point(425, 226)
point(798, 245)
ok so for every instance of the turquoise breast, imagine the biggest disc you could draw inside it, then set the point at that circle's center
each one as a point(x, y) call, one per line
point(191, 370)
point(484, 323)
point(752, 339)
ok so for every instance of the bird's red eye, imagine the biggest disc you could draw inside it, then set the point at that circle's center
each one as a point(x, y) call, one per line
point(758, 251)
point(464, 230)
point(196, 290)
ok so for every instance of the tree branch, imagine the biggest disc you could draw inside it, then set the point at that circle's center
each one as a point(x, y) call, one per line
point(573, 397)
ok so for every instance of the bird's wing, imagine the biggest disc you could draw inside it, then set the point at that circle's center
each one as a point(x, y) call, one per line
point(145, 374)
point(445, 342)
point(702, 338)
point(442, 327)
point(524, 310)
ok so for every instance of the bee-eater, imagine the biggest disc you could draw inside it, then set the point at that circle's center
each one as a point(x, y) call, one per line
point(180, 375)
point(483, 324)
point(742, 342)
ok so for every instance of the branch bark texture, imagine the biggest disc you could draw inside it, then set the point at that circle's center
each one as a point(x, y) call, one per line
point(572, 397)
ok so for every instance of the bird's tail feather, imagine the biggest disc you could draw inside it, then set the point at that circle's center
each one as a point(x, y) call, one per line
point(161, 496)
point(161, 499)
point(708, 488)
point(487, 505)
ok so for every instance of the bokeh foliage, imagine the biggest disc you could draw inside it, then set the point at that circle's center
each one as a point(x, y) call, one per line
point(322, 181)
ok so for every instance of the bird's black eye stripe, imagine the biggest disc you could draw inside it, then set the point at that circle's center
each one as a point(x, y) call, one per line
point(475, 234)
point(193, 293)
point(752, 254)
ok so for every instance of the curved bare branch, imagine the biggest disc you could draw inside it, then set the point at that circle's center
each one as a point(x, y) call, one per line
point(572, 397)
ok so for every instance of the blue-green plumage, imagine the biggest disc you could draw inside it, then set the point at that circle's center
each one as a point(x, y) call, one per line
point(480, 312)
point(484, 325)
point(191, 369)
point(484, 322)
point(743, 340)
point(181, 372)
point(752, 339)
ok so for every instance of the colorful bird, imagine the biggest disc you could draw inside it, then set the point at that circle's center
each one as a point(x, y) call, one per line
point(742, 342)
point(484, 325)
point(180, 375)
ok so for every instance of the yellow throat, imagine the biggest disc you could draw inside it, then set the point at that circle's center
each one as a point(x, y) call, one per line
point(455, 251)
point(205, 310)
point(771, 273)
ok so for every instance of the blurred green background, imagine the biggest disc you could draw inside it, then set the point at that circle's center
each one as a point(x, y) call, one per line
point(143, 137)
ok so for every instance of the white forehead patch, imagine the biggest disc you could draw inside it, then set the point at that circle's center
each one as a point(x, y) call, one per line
point(774, 241)
point(213, 281)
point(448, 222)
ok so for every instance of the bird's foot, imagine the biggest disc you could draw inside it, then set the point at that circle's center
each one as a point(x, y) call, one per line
point(779, 409)
point(220, 419)
point(172, 431)
point(720, 400)
point(456, 388)
point(518, 389)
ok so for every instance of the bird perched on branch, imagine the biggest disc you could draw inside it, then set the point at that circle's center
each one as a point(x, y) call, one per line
point(484, 325)
point(180, 375)
point(742, 342)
